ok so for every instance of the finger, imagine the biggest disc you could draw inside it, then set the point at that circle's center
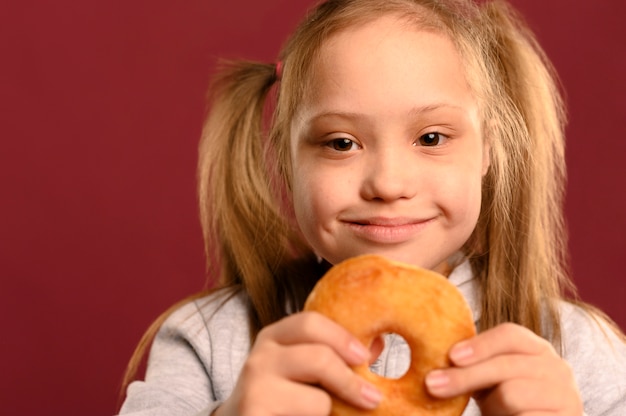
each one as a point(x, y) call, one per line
point(504, 339)
point(512, 384)
point(484, 375)
point(312, 327)
point(276, 396)
point(298, 399)
point(320, 365)
point(513, 372)
point(302, 400)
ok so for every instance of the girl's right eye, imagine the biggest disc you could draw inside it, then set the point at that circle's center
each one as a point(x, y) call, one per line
point(342, 145)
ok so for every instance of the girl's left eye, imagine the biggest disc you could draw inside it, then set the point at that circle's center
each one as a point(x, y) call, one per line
point(431, 139)
point(343, 145)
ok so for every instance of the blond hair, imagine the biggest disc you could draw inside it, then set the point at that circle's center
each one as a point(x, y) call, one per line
point(518, 249)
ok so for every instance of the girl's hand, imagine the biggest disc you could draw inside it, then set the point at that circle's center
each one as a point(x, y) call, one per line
point(292, 366)
point(511, 371)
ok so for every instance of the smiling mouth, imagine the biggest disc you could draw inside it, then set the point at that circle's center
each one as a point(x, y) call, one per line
point(388, 230)
point(388, 222)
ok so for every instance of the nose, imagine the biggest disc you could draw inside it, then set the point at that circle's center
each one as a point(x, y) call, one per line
point(390, 173)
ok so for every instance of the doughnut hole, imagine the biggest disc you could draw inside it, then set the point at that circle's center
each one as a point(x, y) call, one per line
point(396, 365)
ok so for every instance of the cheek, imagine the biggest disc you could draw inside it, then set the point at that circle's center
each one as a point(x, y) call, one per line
point(299, 195)
point(307, 194)
point(461, 195)
point(313, 201)
point(318, 199)
point(472, 201)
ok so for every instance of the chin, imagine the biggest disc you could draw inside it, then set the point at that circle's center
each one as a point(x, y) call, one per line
point(402, 257)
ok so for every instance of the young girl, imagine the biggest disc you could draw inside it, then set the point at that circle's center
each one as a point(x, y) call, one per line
point(427, 131)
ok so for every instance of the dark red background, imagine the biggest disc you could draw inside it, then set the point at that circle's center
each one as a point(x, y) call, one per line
point(101, 108)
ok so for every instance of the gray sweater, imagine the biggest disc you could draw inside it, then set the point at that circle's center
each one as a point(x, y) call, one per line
point(199, 351)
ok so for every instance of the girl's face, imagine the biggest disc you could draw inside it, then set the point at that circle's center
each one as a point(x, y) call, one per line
point(387, 152)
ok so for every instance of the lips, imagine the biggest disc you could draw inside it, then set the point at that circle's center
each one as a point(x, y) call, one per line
point(385, 230)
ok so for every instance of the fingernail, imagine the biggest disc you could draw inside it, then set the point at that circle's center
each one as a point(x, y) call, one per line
point(371, 394)
point(461, 352)
point(359, 351)
point(436, 380)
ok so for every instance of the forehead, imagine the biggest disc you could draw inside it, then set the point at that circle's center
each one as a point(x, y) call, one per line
point(389, 59)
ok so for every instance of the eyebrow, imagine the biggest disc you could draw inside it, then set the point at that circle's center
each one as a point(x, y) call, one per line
point(414, 112)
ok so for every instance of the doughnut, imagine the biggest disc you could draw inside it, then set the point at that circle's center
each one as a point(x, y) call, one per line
point(370, 295)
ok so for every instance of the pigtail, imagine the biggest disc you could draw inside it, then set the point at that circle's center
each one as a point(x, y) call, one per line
point(239, 193)
point(241, 219)
point(524, 227)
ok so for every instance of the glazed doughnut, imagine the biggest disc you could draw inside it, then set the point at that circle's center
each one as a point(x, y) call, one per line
point(370, 296)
